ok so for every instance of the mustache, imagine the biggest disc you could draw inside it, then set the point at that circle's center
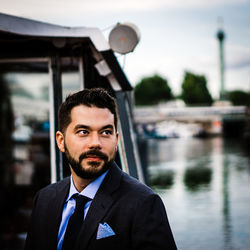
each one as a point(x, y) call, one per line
point(93, 152)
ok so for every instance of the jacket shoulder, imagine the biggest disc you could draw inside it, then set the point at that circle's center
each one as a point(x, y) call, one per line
point(132, 185)
point(52, 188)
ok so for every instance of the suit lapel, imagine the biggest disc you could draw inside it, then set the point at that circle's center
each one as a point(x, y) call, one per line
point(56, 205)
point(99, 206)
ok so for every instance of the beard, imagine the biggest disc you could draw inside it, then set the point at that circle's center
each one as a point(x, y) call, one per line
point(94, 171)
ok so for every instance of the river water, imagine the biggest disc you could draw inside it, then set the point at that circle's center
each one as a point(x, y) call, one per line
point(205, 186)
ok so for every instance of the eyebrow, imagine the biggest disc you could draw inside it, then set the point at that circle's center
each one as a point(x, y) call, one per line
point(82, 126)
point(109, 126)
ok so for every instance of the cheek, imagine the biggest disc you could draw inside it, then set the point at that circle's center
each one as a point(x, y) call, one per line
point(111, 148)
point(74, 147)
point(75, 142)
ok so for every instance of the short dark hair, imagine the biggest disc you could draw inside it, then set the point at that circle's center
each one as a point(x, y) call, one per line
point(96, 97)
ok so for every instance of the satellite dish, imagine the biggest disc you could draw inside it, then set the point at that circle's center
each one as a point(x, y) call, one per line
point(124, 37)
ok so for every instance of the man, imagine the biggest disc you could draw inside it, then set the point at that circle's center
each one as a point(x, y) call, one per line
point(118, 212)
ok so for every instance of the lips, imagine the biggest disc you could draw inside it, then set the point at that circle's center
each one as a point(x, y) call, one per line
point(93, 158)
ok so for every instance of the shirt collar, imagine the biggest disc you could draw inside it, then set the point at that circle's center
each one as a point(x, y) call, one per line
point(90, 190)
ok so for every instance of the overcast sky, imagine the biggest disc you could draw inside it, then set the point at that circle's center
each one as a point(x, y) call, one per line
point(176, 35)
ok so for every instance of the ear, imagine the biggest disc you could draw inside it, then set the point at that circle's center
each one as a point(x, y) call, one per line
point(117, 138)
point(60, 141)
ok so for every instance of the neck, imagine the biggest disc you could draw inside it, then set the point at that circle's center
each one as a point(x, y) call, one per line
point(79, 182)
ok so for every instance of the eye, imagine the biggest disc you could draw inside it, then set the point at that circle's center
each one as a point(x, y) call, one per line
point(107, 132)
point(82, 132)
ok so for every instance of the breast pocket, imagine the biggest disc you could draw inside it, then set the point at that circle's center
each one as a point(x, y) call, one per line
point(111, 242)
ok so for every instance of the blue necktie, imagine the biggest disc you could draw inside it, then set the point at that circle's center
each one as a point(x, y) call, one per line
point(75, 222)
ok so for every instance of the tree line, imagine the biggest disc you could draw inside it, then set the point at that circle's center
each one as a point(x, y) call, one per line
point(155, 89)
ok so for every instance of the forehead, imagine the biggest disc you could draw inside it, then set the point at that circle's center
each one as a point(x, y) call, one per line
point(91, 116)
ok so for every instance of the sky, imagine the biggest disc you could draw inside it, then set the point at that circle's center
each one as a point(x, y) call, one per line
point(175, 36)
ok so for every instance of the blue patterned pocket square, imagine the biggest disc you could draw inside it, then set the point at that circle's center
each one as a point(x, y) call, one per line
point(104, 231)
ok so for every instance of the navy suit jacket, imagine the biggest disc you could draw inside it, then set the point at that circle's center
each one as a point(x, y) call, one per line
point(134, 212)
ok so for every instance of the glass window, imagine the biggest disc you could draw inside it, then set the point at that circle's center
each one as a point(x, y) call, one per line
point(24, 147)
point(24, 150)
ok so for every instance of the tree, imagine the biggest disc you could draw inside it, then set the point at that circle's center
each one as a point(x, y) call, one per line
point(239, 97)
point(194, 90)
point(152, 90)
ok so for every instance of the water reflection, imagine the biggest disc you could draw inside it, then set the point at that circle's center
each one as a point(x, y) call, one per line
point(197, 176)
point(163, 180)
point(226, 204)
point(207, 198)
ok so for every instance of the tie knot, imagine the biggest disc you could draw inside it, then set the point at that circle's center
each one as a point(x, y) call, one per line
point(81, 200)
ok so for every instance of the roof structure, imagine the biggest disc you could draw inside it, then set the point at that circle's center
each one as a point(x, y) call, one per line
point(33, 46)
point(22, 38)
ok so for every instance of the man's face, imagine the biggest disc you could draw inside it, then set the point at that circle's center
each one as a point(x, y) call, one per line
point(90, 141)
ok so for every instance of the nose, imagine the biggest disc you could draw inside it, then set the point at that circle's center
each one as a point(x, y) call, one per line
point(94, 141)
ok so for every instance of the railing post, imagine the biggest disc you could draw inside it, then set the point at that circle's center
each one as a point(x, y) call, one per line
point(55, 91)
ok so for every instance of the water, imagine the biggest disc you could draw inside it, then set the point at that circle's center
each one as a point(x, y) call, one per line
point(213, 210)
